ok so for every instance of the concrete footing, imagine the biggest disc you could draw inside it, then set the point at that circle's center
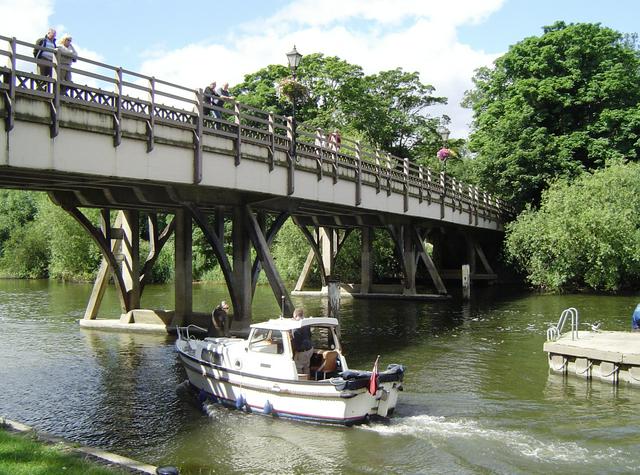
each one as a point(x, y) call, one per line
point(389, 292)
point(607, 356)
point(137, 320)
point(117, 325)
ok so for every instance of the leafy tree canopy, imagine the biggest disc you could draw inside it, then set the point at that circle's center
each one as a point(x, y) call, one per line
point(387, 109)
point(555, 105)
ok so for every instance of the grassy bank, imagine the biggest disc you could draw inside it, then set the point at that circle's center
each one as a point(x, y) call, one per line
point(23, 454)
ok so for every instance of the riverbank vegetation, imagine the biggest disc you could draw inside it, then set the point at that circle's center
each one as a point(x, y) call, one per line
point(556, 133)
point(23, 454)
point(586, 233)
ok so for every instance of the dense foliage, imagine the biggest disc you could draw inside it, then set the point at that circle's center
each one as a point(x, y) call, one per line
point(585, 234)
point(47, 244)
point(387, 110)
point(555, 106)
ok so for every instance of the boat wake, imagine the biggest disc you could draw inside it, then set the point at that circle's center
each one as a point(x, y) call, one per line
point(442, 429)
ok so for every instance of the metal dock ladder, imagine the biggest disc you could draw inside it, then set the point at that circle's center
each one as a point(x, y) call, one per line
point(554, 332)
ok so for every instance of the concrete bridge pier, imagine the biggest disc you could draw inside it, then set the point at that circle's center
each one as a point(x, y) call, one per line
point(241, 269)
point(366, 260)
point(183, 275)
point(120, 247)
point(410, 244)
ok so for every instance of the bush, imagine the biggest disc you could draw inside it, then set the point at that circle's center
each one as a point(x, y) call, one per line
point(585, 234)
point(26, 253)
point(74, 255)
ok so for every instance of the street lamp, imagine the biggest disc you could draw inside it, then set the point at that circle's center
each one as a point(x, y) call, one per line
point(444, 133)
point(294, 61)
point(293, 57)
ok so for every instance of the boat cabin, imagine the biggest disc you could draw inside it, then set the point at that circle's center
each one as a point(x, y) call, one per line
point(270, 348)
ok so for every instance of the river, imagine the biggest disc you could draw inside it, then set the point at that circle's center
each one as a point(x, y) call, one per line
point(478, 394)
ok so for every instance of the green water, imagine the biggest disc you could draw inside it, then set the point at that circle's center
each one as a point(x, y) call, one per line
point(478, 395)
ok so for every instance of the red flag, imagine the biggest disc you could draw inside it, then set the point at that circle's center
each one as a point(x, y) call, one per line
point(373, 380)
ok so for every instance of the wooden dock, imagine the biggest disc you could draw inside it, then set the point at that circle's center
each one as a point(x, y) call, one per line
point(611, 356)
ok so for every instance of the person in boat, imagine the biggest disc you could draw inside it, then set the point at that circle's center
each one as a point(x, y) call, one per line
point(219, 318)
point(635, 319)
point(302, 344)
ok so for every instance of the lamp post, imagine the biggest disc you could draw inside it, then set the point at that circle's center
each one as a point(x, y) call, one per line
point(293, 57)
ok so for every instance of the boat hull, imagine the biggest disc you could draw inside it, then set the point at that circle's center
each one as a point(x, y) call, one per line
point(318, 401)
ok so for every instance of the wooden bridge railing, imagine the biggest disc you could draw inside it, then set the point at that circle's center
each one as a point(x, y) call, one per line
point(123, 93)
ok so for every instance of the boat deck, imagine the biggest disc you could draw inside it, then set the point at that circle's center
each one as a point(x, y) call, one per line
point(611, 356)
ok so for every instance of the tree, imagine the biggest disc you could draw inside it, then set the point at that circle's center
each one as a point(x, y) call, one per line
point(555, 106)
point(585, 234)
point(386, 109)
point(389, 108)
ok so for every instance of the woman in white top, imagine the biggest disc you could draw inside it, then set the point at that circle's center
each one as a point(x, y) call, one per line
point(68, 55)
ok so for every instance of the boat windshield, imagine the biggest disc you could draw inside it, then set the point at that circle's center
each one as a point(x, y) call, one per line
point(266, 341)
point(323, 338)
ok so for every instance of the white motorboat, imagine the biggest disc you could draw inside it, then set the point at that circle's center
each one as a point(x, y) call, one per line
point(259, 374)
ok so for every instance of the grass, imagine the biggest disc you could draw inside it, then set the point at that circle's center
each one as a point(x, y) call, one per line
point(23, 454)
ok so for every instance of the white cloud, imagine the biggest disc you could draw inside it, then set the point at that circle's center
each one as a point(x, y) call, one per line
point(416, 35)
point(307, 12)
point(25, 19)
point(28, 20)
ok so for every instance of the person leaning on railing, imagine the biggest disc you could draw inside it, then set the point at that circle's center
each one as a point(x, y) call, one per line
point(68, 55)
point(335, 140)
point(210, 100)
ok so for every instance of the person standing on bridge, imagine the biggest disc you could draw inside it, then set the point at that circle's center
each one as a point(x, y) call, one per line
point(335, 140)
point(68, 56)
point(211, 100)
point(45, 58)
point(223, 91)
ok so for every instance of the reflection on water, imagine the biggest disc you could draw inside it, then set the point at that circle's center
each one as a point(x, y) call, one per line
point(478, 394)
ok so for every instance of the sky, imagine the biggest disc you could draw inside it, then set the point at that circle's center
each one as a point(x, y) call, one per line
point(193, 42)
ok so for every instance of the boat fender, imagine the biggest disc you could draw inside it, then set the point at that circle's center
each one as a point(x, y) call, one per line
point(268, 408)
point(167, 470)
point(240, 402)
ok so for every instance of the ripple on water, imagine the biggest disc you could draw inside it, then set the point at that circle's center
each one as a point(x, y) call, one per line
point(441, 430)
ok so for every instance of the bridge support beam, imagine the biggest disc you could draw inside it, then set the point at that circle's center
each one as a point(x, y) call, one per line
point(102, 278)
point(409, 256)
point(130, 251)
point(428, 262)
point(328, 245)
point(325, 245)
point(366, 259)
point(241, 269)
point(261, 245)
point(183, 268)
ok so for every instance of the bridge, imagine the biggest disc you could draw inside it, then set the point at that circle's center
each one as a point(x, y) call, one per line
point(99, 136)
